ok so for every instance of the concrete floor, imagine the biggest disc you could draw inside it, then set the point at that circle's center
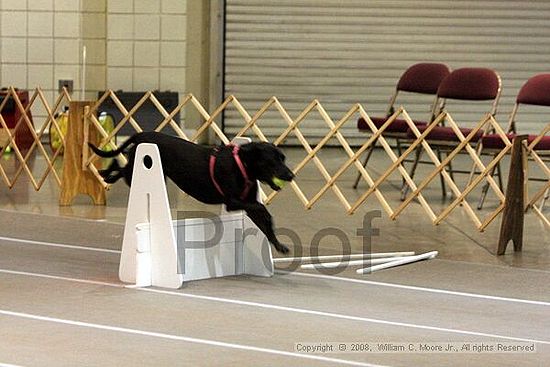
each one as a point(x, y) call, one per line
point(64, 306)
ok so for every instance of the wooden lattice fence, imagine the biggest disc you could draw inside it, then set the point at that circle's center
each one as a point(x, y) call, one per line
point(293, 127)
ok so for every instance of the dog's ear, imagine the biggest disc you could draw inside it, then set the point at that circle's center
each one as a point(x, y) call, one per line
point(245, 151)
point(262, 150)
point(254, 152)
point(250, 150)
point(246, 148)
point(250, 155)
point(262, 157)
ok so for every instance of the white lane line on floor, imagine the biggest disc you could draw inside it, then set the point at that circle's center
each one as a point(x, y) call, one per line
point(343, 316)
point(213, 343)
point(330, 277)
point(9, 365)
point(322, 276)
point(56, 277)
point(287, 309)
point(60, 245)
point(416, 288)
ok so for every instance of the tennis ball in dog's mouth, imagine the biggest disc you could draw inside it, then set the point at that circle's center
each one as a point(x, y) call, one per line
point(278, 182)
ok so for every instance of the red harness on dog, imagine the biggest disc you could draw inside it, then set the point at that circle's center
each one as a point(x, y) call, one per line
point(247, 183)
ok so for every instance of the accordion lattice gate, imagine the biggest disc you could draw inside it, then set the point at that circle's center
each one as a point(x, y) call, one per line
point(25, 155)
point(252, 126)
point(293, 128)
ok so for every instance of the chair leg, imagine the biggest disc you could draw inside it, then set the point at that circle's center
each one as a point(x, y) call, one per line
point(451, 172)
point(479, 148)
point(399, 148)
point(441, 179)
point(399, 152)
point(367, 157)
point(486, 186)
point(483, 196)
point(545, 197)
point(499, 176)
point(405, 187)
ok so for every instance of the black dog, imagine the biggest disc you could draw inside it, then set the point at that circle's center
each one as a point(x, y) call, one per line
point(225, 174)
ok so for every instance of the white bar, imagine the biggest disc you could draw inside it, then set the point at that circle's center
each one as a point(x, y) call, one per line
point(335, 257)
point(363, 262)
point(391, 264)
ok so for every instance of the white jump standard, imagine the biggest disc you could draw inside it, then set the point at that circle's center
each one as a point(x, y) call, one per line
point(152, 254)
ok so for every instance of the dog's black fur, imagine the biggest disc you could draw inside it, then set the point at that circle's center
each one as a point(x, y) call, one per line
point(187, 165)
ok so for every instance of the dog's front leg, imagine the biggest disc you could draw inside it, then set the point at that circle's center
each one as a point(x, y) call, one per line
point(261, 218)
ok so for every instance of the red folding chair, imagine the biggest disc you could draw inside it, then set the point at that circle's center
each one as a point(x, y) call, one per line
point(465, 84)
point(535, 92)
point(422, 78)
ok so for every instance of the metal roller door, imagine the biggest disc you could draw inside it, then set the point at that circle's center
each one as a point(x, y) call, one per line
point(344, 52)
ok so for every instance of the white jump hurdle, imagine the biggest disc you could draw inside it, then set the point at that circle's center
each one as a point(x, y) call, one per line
point(152, 253)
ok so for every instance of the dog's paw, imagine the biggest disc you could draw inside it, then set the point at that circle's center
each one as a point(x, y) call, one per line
point(282, 249)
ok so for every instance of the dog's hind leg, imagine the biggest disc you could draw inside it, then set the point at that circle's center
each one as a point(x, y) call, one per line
point(112, 173)
point(128, 169)
point(112, 178)
point(114, 166)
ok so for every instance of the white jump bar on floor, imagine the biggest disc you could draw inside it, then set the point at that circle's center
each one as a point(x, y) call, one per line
point(363, 262)
point(406, 260)
point(342, 257)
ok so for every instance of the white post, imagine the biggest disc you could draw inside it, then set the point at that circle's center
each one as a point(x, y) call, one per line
point(149, 257)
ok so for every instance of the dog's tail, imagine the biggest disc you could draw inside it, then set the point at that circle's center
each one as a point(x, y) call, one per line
point(112, 153)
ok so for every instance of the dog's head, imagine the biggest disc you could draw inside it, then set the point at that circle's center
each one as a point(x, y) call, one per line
point(266, 162)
